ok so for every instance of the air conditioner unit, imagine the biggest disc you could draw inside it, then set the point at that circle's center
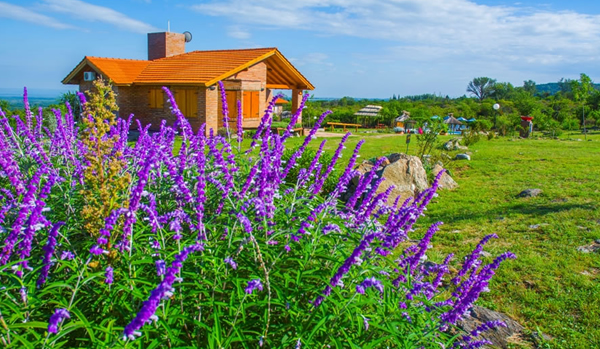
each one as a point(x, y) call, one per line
point(89, 76)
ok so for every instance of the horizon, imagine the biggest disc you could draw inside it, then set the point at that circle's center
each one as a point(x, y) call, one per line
point(345, 48)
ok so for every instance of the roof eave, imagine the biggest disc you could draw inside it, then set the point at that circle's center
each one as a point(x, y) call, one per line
point(308, 85)
point(240, 68)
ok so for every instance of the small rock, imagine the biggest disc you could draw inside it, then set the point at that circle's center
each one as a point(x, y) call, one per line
point(534, 226)
point(462, 157)
point(593, 247)
point(455, 231)
point(529, 193)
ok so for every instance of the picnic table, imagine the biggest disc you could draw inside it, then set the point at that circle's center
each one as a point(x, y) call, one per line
point(294, 130)
point(333, 124)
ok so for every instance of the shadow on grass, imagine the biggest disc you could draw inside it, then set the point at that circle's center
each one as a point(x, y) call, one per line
point(499, 213)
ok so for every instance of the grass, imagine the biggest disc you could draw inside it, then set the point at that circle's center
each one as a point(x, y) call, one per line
point(551, 287)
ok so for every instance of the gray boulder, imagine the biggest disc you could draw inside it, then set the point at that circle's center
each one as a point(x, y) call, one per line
point(454, 144)
point(404, 172)
point(446, 182)
point(462, 157)
point(500, 337)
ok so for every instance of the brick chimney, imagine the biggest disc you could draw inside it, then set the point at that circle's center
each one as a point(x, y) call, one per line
point(166, 44)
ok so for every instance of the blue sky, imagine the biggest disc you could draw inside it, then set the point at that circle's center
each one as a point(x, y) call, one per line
point(359, 48)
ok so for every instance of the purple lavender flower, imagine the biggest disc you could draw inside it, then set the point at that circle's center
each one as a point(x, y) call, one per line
point(67, 255)
point(224, 108)
point(370, 282)
point(253, 285)
point(97, 250)
point(49, 251)
point(109, 275)
point(56, 318)
point(245, 222)
point(366, 323)
point(163, 291)
point(473, 258)
point(231, 262)
point(478, 282)
point(240, 129)
point(160, 267)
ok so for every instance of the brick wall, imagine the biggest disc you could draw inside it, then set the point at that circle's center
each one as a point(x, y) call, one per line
point(251, 79)
point(162, 45)
point(208, 105)
point(136, 100)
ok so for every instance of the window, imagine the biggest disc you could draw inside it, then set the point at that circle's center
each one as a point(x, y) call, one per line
point(250, 105)
point(156, 98)
point(187, 101)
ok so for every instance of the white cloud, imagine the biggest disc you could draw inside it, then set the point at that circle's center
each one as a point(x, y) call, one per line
point(24, 14)
point(314, 58)
point(238, 33)
point(94, 13)
point(453, 28)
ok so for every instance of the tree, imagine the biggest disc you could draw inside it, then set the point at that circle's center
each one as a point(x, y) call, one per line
point(582, 89)
point(482, 87)
point(529, 87)
point(503, 90)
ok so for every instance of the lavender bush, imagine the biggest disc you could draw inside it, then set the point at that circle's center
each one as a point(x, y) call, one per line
point(212, 246)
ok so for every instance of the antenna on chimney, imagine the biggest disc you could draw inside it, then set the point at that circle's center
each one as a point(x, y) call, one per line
point(168, 26)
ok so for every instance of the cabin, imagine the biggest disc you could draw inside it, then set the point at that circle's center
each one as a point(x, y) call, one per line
point(249, 75)
point(278, 108)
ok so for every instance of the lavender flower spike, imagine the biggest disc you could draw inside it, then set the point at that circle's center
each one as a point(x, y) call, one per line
point(370, 282)
point(56, 318)
point(109, 276)
point(48, 252)
point(253, 285)
point(163, 291)
point(231, 262)
point(225, 109)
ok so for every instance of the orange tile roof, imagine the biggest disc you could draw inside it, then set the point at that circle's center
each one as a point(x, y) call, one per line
point(201, 66)
point(120, 71)
point(281, 101)
point(197, 67)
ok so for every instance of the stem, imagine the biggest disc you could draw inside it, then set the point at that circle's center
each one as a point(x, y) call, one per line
point(236, 315)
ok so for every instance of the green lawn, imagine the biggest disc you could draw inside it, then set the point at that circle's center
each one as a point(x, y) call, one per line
point(551, 286)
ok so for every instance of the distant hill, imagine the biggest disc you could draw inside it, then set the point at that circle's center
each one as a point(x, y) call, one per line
point(554, 87)
point(17, 102)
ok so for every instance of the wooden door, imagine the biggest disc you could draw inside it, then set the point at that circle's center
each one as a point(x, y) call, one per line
point(187, 101)
point(251, 104)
